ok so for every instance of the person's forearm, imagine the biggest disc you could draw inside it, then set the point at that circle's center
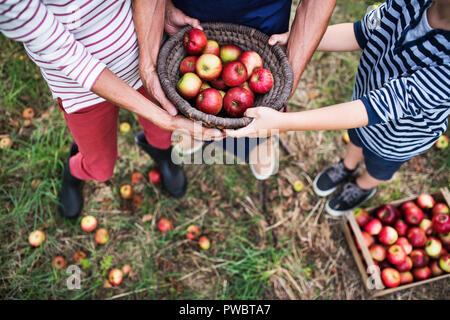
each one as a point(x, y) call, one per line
point(339, 37)
point(311, 21)
point(118, 92)
point(148, 18)
point(337, 117)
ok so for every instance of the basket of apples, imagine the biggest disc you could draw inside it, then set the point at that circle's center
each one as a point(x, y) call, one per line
point(214, 75)
point(402, 244)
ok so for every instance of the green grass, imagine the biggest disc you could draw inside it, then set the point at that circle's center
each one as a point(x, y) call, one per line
point(290, 251)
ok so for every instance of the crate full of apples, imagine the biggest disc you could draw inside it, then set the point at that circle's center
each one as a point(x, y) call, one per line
point(221, 79)
point(401, 244)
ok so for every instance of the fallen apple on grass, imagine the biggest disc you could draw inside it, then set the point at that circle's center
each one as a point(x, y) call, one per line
point(298, 186)
point(78, 256)
point(346, 138)
point(115, 277)
point(192, 232)
point(165, 225)
point(441, 142)
point(126, 191)
point(59, 262)
point(28, 113)
point(125, 127)
point(36, 238)
point(126, 269)
point(101, 236)
point(204, 243)
point(194, 41)
point(154, 176)
point(5, 142)
point(88, 223)
point(137, 177)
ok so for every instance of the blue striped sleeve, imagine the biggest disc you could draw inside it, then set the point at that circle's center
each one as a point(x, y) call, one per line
point(425, 92)
point(364, 28)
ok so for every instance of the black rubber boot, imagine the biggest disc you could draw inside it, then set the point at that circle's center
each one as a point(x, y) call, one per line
point(71, 196)
point(173, 177)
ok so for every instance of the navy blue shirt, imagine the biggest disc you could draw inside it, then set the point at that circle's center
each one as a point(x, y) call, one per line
point(268, 16)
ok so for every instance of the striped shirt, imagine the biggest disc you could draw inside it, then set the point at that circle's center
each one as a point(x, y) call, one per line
point(72, 41)
point(404, 84)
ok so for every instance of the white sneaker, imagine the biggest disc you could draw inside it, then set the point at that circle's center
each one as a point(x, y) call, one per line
point(264, 171)
point(187, 145)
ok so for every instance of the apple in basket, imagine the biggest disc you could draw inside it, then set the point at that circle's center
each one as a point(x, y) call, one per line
point(237, 100)
point(194, 41)
point(261, 81)
point(189, 85)
point(208, 67)
point(188, 64)
point(212, 47)
point(252, 61)
point(229, 53)
point(234, 74)
point(209, 101)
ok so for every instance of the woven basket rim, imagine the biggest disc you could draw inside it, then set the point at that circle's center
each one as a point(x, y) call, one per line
point(211, 120)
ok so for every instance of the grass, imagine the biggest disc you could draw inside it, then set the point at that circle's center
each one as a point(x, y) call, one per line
point(291, 251)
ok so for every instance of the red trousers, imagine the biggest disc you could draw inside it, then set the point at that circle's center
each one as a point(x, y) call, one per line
point(94, 130)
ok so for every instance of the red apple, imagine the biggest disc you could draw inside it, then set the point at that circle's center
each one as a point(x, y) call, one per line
point(406, 265)
point(246, 86)
point(373, 227)
point(154, 176)
point(126, 191)
point(194, 41)
point(396, 255)
point(204, 86)
point(126, 269)
point(59, 262)
point(406, 277)
point(237, 100)
point(208, 67)
point(5, 142)
point(407, 205)
point(222, 93)
point(234, 74)
point(425, 201)
point(368, 240)
point(137, 177)
point(192, 232)
point(115, 277)
point(36, 238)
point(252, 61)
point(445, 238)
point(435, 269)
point(189, 85)
point(402, 241)
point(401, 227)
point(362, 217)
point(413, 216)
point(229, 53)
point(165, 225)
point(433, 247)
point(441, 142)
point(388, 214)
point(204, 243)
point(441, 223)
point(443, 252)
point(188, 64)
point(440, 208)
point(28, 113)
point(390, 277)
point(419, 258)
point(209, 101)
point(212, 47)
point(422, 273)
point(427, 226)
point(78, 256)
point(101, 236)
point(261, 81)
point(417, 237)
point(444, 263)
point(219, 84)
point(378, 252)
point(88, 223)
point(387, 235)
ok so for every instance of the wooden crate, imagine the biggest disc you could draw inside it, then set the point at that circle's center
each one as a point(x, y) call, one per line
point(372, 281)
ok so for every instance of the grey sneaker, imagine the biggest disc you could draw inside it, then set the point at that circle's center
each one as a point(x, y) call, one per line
point(331, 177)
point(350, 198)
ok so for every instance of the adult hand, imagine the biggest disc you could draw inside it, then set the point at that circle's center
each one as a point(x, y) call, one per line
point(182, 125)
point(151, 83)
point(265, 122)
point(280, 39)
point(176, 19)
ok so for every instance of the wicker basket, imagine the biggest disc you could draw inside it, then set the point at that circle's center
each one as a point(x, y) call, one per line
point(247, 38)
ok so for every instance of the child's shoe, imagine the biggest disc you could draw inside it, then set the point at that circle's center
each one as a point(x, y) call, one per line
point(331, 177)
point(350, 198)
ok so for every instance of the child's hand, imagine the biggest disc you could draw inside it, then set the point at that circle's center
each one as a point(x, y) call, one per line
point(265, 121)
point(280, 39)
